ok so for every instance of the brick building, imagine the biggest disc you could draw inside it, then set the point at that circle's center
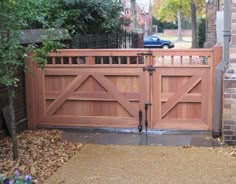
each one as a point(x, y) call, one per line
point(229, 87)
point(143, 13)
point(212, 6)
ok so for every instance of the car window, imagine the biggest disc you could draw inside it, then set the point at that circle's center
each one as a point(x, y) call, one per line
point(154, 38)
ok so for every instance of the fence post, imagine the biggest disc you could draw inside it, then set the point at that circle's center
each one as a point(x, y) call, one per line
point(140, 41)
point(30, 91)
point(217, 58)
point(125, 40)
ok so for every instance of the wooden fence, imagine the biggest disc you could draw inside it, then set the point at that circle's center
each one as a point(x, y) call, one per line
point(19, 103)
point(19, 100)
point(171, 89)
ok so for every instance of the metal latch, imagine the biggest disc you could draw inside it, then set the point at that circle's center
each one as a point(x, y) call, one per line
point(146, 114)
point(149, 68)
point(140, 127)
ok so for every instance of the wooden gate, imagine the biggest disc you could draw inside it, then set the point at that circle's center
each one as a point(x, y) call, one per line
point(108, 88)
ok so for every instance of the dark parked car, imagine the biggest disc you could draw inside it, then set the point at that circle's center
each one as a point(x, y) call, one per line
point(155, 42)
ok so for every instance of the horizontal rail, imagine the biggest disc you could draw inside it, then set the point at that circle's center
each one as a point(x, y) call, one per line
point(129, 52)
point(130, 57)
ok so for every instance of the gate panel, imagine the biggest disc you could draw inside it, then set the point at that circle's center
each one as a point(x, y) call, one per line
point(109, 87)
point(91, 96)
point(181, 99)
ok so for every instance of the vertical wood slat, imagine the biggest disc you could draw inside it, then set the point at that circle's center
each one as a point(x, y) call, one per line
point(78, 60)
point(181, 59)
point(91, 60)
point(128, 60)
point(172, 60)
point(70, 60)
point(156, 91)
point(215, 59)
point(102, 60)
point(53, 60)
point(119, 60)
point(30, 90)
point(205, 95)
point(62, 60)
point(110, 60)
point(191, 60)
point(40, 94)
point(87, 60)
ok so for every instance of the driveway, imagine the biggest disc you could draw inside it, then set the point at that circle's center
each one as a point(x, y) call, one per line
point(121, 164)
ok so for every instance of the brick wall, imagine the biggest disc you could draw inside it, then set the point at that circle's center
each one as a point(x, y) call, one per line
point(212, 7)
point(229, 108)
point(229, 99)
point(20, 106)
point(233, 26)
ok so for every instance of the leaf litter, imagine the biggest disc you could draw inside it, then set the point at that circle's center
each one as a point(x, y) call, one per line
point(40, 153)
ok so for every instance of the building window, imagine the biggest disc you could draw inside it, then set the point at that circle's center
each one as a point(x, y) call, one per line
point(127, 11)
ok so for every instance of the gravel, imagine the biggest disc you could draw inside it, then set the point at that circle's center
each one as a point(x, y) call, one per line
point(113, 164)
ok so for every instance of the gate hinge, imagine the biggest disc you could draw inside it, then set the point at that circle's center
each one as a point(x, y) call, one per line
point(149, 68)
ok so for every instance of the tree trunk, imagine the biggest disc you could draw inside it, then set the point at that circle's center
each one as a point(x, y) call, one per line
point(179, 26)
point(134, 15)
point(11, 95)
point(194, 24)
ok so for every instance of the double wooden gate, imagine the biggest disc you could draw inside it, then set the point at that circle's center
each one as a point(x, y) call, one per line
point(109, 88)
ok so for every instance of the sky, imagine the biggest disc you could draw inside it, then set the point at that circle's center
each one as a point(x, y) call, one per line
point(144, 4)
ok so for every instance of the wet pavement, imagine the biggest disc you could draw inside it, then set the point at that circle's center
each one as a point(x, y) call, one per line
point(126, 137)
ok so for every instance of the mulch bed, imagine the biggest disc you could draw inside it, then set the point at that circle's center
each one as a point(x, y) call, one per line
point(41, 153)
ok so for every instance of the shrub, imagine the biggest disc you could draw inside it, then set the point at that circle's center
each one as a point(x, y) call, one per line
point(201, 33)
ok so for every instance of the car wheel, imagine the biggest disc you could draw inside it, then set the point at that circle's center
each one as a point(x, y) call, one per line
point(165, 47)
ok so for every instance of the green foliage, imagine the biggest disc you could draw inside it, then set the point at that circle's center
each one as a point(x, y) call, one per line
point(169, 8)
point(40, 53)
point(78, 16)
point(163, 25)
point(201, 33)
point(31, 13)
point(12, 54)
point(11, 58)
point(87, 16)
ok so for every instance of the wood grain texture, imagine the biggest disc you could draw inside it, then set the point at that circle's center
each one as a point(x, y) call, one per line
point(177, 96)
point(110, 94)
point(117, 95)
point(66, 93)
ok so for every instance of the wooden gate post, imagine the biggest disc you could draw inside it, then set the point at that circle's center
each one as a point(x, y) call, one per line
point(217, 58)
point(30, 90)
